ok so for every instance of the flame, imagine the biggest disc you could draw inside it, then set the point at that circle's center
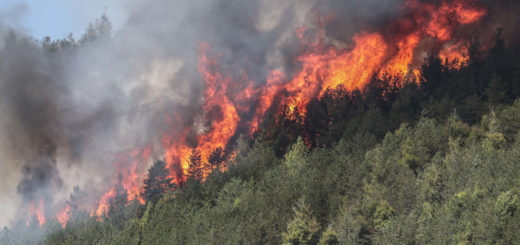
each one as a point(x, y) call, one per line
point(351, 69)
point(63, 216)
point(354, 68)
point(37, 210)
point(272, 87)
point(329, 70)
point(104, 202)
point(242, 99)
point(224, 124)
point(177, 154)
point(438, 21)
point(400, 64)
point(131, 178)
point(454, 56)
point(220, 119)
point(130, 166)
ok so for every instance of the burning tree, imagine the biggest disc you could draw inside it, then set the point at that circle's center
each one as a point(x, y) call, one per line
point(157, 182)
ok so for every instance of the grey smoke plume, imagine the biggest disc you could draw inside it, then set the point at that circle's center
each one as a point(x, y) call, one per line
point(66, 112)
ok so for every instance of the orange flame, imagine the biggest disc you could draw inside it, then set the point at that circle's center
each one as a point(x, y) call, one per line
point(63, 216)
point(129, 167)
point(131, 177)
point(177, 154)
point(399, 65)
point(37, 210)
point(224, 124)
point(104, 202)
point(328, 70)
point(220, 120)
point(454, 56)
point(272, 87)
point(354, 68)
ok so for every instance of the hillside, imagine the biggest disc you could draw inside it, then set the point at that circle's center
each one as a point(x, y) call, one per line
point(434, 162)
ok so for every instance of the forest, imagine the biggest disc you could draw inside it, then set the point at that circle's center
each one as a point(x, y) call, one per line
point(434, 162)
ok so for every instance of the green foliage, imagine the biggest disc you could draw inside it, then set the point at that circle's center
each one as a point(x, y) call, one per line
point(507, 205)
point(329, 237)
point(304, 228)
point(432, 182)
point(157, 182)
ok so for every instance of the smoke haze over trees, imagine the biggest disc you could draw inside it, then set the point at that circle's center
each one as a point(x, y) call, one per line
point(94, 118)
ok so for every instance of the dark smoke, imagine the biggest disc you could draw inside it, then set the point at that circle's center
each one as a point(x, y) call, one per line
point(31, 88)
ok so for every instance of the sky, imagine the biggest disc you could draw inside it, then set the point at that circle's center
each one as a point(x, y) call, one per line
point(58, 18)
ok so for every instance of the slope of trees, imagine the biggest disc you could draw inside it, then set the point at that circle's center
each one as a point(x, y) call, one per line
point(432, 163)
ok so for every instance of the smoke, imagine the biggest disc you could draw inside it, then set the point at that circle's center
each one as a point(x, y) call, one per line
point(31, 111)
point(65, 114)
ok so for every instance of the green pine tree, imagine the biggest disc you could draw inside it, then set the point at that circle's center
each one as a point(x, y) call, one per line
point(304, 228)
point(157, 183)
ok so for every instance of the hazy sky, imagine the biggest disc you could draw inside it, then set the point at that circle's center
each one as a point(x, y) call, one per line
point(58, 18)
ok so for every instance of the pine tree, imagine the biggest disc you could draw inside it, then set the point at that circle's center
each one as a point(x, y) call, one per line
point(196, 166)
point(329, 237)
point(304, 228)
point(157, 182)
point(516, 82)
point(75, 199)
point(217, 158)
point(116, 211)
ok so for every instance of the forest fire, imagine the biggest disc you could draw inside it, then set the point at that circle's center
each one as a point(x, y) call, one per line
point(385, 53)
point(394, 50)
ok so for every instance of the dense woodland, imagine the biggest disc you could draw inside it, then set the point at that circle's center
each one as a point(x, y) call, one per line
point(435, 162)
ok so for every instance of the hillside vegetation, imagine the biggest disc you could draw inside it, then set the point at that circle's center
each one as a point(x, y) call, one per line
point(429, 163)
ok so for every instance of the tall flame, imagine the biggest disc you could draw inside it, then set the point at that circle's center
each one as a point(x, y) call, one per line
point(63, 216)
point(37, 210)
point(220, 119)
point(273, 84)
point(129, 167)
point(220, 108)
point(104, 202)
point(131, 179)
